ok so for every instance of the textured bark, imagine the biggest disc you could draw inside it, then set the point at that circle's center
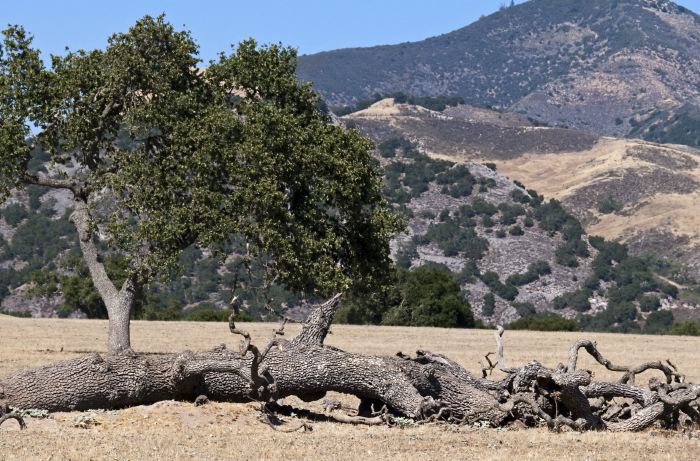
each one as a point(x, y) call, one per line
point(119, 303)
point(425, 387)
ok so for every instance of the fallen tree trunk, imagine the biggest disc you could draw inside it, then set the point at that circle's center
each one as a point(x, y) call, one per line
point(425, 387)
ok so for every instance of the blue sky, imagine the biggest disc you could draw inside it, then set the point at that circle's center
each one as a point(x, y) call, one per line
point(309, 25)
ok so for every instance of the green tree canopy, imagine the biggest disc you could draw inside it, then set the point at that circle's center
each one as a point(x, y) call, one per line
point(162, 153)
point(427, 296)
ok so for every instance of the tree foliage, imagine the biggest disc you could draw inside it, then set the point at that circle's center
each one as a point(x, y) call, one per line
point(427, 296)
point(171, 155)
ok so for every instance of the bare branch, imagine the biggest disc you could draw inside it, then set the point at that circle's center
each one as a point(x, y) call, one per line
point(16, 417)
point(500, 359)
point(54, 183)
point(318, 323)
point(630, 373)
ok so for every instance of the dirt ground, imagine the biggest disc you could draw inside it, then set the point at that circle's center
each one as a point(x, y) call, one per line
point(180, 431)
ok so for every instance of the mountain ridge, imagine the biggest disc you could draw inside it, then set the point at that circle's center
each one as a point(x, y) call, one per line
point(600, 66)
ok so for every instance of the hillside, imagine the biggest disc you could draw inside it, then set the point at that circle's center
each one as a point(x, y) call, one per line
point(624, 67)
point(641, 193)
point(514, 253)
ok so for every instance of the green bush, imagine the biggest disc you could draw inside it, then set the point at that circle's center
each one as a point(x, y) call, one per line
point(458, 181)
point(427, 296)
point(35, 193)
point(658, 322)
point(565, 256)
point(388, 148)
point(436, 103)
point(525, 309)
point(430, 296)
point(534, 271)
point(207, 313)
point(618, 318)
point(14, 214)
point(649, 303)
point(454, 239)
point(552, 216)
point(404, 181)
point(519, 196)
point(609, 205)
point(516, 231)
point(576, 300)
point(489, 305)
point(535, 199)
point(510, 213)
point(406, 253)
point(505, 291)
point(21, 314)
point(688, 328)
point(669, 290)
point(483, 208)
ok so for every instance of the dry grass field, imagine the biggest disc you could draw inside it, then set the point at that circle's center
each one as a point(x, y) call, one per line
point(179, 430)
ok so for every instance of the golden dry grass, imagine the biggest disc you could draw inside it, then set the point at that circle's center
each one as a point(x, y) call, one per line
point(178, 430)
point(675, 213)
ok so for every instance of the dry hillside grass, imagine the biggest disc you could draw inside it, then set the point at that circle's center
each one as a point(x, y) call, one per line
point(179, 430)
point(653, 206)
point(657, 186)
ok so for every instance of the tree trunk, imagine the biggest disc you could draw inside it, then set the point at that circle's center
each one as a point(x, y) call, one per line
point(119, 314)
point(119, 303)
point(425, 387)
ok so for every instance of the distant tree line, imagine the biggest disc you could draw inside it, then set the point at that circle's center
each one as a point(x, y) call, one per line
point(436, 103)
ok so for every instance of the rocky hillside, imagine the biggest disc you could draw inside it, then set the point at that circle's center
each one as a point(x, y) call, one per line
point(644, 194)
point(620, 68)
point(516, 254)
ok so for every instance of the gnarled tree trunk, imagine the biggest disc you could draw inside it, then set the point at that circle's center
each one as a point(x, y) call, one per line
point(425, 387)
point(119, 303)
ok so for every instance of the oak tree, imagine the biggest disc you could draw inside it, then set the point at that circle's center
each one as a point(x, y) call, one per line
point(161, 153)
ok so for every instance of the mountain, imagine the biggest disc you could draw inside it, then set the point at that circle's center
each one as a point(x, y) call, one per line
point(644, 194)
point(619, 68)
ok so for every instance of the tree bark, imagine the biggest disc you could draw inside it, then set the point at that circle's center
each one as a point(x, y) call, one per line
point(424, 387)
point(119, 303)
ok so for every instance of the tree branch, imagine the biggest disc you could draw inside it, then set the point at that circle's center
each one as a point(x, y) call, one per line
point(16, 417)
point(318, 322)
point(53, 183)
point(104, 285)
point(630, 373)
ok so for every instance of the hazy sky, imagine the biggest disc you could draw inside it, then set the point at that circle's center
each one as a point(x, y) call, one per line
point(309, 25)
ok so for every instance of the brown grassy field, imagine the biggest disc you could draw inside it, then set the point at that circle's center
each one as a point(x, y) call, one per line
point(179, 430)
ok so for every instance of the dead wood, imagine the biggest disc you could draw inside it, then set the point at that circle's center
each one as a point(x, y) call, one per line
point(424, 388)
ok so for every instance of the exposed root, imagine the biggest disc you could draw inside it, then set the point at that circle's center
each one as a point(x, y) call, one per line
point(670, 371)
